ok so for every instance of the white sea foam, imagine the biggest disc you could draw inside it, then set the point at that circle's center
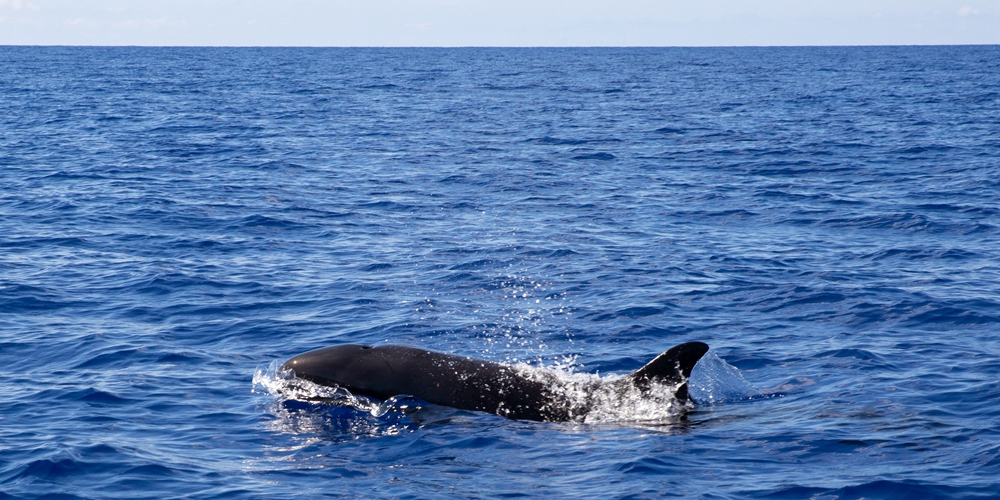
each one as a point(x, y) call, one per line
point(358, 415)
point(594, 399)
point(283, 385)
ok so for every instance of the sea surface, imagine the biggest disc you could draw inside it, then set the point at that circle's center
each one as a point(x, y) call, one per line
point(176, 222)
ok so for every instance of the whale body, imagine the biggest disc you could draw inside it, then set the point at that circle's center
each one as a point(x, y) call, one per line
point(467, 383)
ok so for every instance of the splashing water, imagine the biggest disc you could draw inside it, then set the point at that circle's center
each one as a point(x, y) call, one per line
point(715, 381)
point(302, 407)
point(596, 399)
point(283, 385)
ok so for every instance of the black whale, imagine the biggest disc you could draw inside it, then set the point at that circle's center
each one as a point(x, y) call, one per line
point(474, 384)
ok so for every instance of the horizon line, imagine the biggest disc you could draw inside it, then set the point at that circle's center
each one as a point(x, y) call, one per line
point(506, 46)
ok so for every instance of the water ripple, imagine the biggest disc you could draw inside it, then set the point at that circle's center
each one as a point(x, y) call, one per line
point(825, 218)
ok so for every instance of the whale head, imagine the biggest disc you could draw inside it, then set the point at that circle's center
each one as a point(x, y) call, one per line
point(349, 365)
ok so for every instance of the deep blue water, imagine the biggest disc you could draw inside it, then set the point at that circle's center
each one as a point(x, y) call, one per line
point(174, 221)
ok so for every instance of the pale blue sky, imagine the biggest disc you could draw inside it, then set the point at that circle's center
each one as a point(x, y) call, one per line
point(498, 23)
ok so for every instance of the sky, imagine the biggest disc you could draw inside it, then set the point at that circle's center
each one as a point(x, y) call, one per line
point(498, 22)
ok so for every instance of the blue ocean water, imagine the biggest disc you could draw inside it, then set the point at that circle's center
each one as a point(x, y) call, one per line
point(174, 222)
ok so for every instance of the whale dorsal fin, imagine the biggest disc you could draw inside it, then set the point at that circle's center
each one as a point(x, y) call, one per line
point(672, 367)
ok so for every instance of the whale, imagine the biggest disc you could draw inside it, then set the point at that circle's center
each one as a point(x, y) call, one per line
point(512, 391)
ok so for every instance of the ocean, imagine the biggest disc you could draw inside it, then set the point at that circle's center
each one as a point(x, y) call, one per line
point(176, 222)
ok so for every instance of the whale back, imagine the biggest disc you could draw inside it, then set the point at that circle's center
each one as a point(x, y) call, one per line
point(473, 384)
point(457, 381)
